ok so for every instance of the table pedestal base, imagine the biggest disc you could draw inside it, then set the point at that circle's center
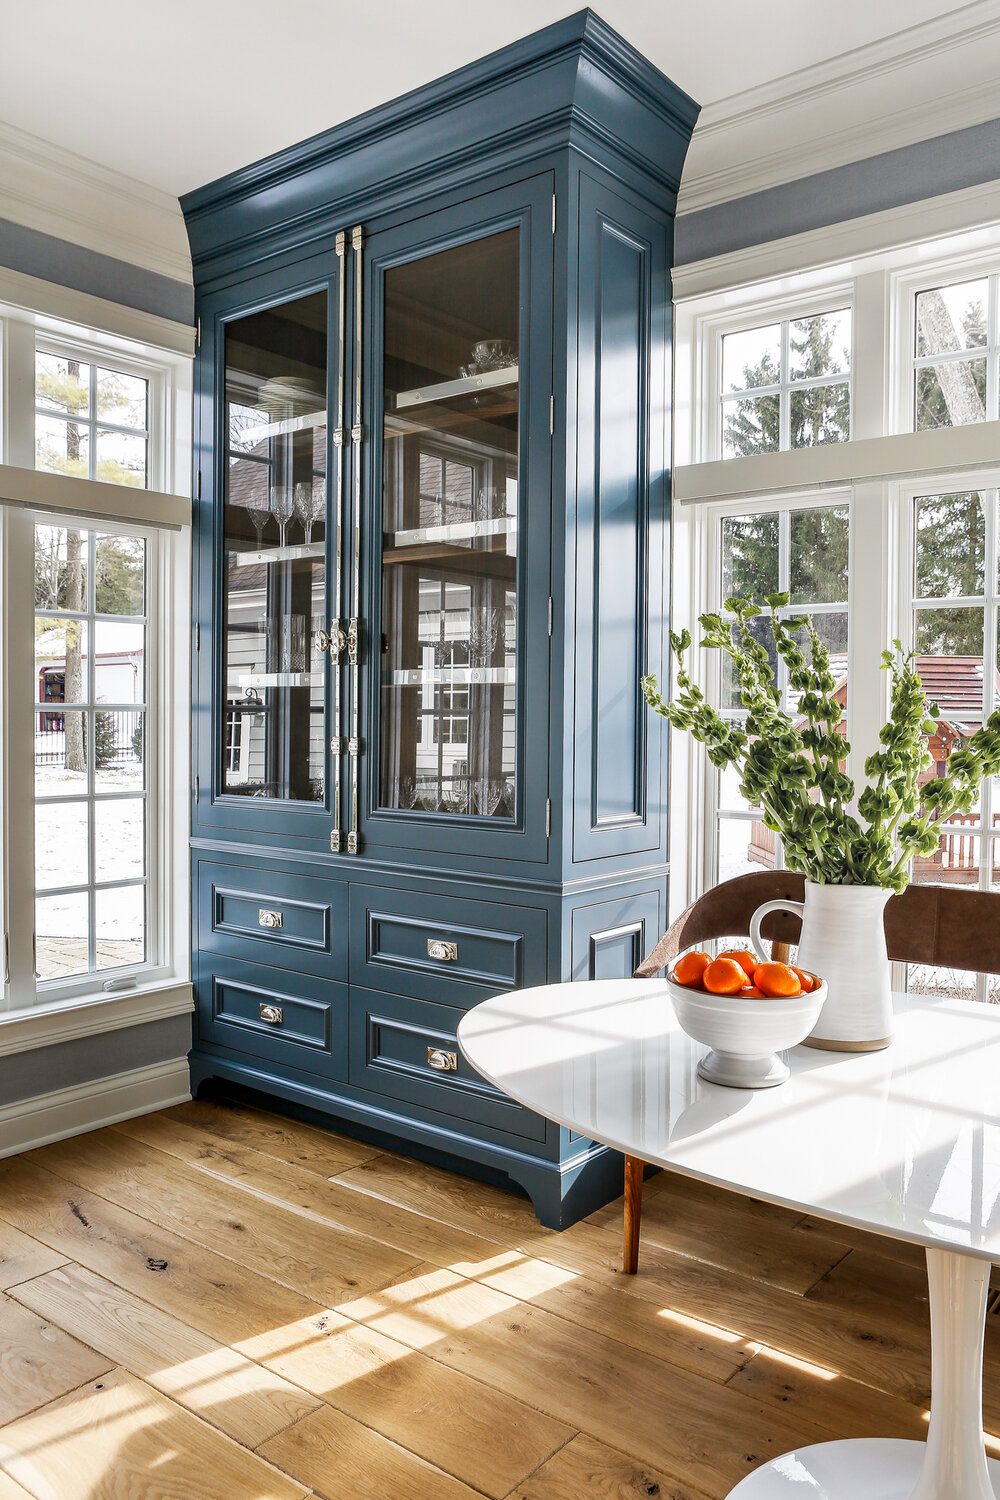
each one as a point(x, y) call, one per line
point(952, 1464)
point(855, 1469)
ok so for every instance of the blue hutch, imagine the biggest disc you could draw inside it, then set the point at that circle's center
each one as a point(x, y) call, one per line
point(432, 504)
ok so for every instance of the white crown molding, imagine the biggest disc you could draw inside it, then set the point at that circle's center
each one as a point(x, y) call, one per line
point(972, 213)
point(28, 1123)
point(45, 187)
point(794, 126)
point(48, 1025)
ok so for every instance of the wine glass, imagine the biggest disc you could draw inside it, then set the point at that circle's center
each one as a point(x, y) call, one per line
point(310, 501)
point(282, 508)
point(259, 517)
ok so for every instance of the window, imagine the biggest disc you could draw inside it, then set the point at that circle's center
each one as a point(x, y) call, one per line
point(803, 551)
point(95, 622)
point(93, 746)
point(954, 626)
point(892, 536)
point(956, 350)
point(91, 420)
point(786, 385)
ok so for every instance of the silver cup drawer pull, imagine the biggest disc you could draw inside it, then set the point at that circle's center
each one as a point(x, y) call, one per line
point(271, 919)
point(271, 1014)
point(443, 1062)
point(445, 953)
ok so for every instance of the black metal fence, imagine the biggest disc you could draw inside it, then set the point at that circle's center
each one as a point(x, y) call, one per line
point(117, 734)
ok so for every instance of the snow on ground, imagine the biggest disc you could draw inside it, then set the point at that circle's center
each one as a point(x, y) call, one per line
point(62, 835)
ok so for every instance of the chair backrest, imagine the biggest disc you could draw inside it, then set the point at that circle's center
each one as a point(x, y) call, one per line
point(925, 924)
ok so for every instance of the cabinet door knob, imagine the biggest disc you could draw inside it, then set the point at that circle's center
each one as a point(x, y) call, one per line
point(271, 1014)
point(267, 918)
point(444, 1062)
point(446, 953)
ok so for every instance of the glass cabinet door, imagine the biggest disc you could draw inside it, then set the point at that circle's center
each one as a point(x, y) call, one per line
point(450, 531)
point(274, 525)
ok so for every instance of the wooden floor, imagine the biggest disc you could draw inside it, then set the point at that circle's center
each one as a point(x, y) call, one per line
point(215, 1303)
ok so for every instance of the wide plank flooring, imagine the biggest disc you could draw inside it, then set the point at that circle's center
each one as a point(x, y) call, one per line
point(217, 1301)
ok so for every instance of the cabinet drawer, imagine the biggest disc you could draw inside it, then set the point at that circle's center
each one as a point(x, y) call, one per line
point(408, 1049)
point(444, 948)
point(296, 1019)
point(268, 916)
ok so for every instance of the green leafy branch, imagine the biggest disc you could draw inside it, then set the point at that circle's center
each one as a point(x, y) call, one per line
point(791, 769)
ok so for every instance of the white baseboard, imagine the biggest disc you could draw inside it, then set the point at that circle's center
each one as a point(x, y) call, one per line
point(87, 1106)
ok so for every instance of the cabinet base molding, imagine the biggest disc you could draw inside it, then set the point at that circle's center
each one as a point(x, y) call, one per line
point(561, 1192)
point(44, 1118)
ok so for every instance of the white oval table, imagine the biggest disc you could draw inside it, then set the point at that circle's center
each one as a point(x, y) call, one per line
point(904, 1142)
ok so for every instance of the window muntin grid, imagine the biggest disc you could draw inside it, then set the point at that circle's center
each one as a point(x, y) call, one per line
point(786, 384)
point(91, 419)
point(955, 352)
point(954, 624)
point(775, 558)
point(92, 752)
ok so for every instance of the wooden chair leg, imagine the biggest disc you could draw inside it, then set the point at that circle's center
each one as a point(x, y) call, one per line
point(633, 1213)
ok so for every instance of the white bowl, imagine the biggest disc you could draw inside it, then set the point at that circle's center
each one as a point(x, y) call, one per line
point(744, 1034)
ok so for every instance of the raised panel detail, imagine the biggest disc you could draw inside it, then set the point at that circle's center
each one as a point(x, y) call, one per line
point(616, 953)
point(409, 1049)
point(269, 916)
point(620, 526)
point(621, 467)
point(610, 937)
point(273, 1014)
point(443, 948)
point(300, 924)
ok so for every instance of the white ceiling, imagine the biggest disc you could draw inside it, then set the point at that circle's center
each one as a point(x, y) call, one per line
point(179, 92)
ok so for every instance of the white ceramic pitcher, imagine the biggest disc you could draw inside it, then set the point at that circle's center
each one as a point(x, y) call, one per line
point(843, 941)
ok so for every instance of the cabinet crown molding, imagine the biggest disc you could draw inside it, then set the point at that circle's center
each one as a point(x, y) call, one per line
point(576, 82)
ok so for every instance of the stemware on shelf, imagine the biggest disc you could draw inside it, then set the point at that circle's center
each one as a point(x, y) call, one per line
point(282, 508)
point(259, 517)
point(310, 503)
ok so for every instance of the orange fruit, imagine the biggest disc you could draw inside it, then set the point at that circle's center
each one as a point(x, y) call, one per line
point(747, 961)
point(752, 993)
point(724, 976)
point(689, 969)
point(777, 981)
point(808, 981)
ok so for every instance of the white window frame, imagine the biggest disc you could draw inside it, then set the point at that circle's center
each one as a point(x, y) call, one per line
point(881, 467)
point(32, 1012)
point(904, 286)
point(156, 413)
point(704, 401)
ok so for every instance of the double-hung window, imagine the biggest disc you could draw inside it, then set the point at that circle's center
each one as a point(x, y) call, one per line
point(892, 537)
point(95, 622)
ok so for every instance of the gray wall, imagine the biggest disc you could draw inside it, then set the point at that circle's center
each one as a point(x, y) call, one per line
point(960, 159)
point(23, 1075)
point(43, 255)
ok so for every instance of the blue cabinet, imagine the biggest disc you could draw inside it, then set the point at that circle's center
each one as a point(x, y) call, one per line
point(432, 399)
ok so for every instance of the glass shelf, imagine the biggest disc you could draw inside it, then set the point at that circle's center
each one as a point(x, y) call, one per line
point(251, 436)
point(456, 532)
point(452, 676)
point(465, 386)
point(278, 554)
point(279, 680)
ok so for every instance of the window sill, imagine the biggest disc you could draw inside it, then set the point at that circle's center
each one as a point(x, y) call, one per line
point(47, 1025)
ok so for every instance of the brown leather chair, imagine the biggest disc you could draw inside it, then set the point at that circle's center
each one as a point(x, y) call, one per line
point(926, 924)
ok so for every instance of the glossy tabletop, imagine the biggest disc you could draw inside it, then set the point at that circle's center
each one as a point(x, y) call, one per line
point(905, 1141)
